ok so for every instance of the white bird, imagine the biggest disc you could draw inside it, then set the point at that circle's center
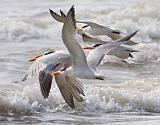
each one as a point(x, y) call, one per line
point(97, 29)
point(41, 61)
point(50, 62)
point(94, 28)
point(67, 80)
point(122, 52)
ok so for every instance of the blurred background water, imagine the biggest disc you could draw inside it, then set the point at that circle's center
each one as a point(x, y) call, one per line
point(131, 96)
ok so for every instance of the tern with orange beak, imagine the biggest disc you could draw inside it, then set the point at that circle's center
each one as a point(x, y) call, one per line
point(97, 29)
point(122, 52)
point(67, 80)
point(67, 73)
point(94, 28)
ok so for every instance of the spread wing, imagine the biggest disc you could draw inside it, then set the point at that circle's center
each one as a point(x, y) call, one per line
point(71, 88)
point(69, 39)
point(45, 78)
point(41, 63)
point(96, 55)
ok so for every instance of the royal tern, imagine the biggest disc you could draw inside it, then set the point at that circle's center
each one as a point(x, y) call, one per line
point(41, 61)
point(67, 80)
point(97, 29)
point(122, 52)
point(67, 68)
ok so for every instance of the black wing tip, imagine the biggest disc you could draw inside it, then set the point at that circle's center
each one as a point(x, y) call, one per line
point(135, 32)
point(62, 13)
point(72, 10)
point(116, 31)
point(50, 10)
point(72, 7)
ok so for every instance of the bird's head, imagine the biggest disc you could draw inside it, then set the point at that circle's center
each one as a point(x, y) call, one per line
point(79, 30)
point(40, 55)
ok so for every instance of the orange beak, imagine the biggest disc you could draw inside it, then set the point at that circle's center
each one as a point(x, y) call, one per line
point(79, 30)
point(34, 58)
point(88, 48)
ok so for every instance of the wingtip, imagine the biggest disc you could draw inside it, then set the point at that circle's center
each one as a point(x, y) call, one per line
point(50, 10)
point(116, 31)
point(72, 9)
point(137, 30)
point(71, 16)
point(72, 6)
point(62, 13)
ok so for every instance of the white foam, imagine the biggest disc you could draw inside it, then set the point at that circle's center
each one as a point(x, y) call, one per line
point(148, 53)
point(135, 95)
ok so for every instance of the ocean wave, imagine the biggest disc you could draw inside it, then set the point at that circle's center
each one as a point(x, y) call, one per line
point(22, 30)
point(148, 53)
point(135, 95)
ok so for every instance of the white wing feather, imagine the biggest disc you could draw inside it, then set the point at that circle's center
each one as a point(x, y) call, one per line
point(69, 39)
point(71, 88)
point(95, 56)
point(41, 63)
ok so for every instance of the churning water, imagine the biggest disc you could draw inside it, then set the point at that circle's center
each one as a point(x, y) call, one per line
point(131, 96)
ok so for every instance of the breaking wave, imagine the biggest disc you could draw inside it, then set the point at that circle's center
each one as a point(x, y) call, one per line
point(135, 95)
